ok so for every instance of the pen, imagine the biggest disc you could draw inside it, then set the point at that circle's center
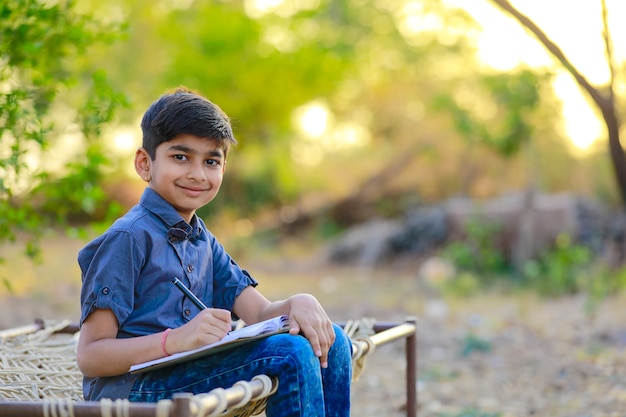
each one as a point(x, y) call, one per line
point(189, 294)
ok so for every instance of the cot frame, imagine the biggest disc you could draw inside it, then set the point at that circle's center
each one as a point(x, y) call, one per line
point(384, 332)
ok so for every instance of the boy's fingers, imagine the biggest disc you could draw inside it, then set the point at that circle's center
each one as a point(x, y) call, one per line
point(324, 361)
point(221, 314)
point(319, 345)
point(320, 334)
point(315, 344)
point(329, 338)
point(294, 328)
point(217, 318)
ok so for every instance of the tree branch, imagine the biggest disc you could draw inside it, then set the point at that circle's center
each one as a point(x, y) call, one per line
point(554, 50)
point(609, 51)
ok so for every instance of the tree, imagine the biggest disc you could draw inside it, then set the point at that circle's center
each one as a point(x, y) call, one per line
point(261, 68)
point(369, 62)
point(603, 97)
point(45, 97)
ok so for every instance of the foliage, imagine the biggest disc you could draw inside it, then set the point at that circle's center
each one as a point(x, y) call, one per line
point(566, 268)
point(241, 63)
point(477, 252)
point(40, 44)
point(570, 268)
point(501, 120)
point(473, 343)
point(560, 270)
point(601, 282)
point(358, 59)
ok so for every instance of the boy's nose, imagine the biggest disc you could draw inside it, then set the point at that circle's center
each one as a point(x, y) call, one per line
point(196, 171)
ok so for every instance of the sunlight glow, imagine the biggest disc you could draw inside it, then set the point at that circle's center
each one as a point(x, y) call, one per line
point(348, 135)
point(259, 8)
point(577, 28)
point(181, 4)
point(125, 140)
point(322, 134)
point(415, 20)
point(583, 131)
point(313, 118)
point(411, 18)
point(280, 38)
point(58, 155)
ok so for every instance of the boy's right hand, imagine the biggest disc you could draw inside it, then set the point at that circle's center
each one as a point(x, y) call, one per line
point(209, 326)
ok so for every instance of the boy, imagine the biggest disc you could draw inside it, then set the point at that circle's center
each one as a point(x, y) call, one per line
point(132, 313)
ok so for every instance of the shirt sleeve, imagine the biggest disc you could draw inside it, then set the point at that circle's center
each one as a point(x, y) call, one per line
point(229, 279)
point(109, 267)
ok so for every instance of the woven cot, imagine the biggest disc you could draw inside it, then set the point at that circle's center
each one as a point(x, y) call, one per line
point(39, 376)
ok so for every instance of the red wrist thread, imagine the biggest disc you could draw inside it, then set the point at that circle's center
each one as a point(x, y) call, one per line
point(163, 340)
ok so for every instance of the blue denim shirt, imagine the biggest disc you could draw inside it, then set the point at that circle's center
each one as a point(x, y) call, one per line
point(129, 270)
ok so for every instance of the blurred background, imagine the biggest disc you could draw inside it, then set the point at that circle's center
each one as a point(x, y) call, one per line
point(452, 160)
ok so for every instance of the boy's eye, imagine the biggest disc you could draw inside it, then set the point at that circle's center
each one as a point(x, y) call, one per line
point(180, 157)
point(213, 162)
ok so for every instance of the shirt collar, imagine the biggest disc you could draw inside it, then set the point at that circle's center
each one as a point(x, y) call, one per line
point(183, 230)
point(178, 228)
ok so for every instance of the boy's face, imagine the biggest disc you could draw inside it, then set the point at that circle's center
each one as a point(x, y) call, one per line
point(187, 171)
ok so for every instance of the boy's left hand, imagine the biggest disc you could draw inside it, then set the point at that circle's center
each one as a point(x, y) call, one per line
point(307, 316)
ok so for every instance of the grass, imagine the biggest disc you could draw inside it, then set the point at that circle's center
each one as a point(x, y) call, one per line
point(449, 324)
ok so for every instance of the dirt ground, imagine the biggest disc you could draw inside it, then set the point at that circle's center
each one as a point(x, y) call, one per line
point(486, 355)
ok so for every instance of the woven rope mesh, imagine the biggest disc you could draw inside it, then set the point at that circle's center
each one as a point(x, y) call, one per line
point(40, 365)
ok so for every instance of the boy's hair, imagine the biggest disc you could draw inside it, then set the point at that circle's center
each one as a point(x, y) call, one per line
point(185, 112)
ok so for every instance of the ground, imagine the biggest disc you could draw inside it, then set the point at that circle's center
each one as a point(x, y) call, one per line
point(492, 354)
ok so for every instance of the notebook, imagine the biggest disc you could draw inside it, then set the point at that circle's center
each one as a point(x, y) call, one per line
point(237, 337)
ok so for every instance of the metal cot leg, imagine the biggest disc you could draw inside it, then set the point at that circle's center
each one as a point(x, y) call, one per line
point(411, 371)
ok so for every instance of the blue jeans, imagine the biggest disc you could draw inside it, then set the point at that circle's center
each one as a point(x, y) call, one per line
point(304, 388)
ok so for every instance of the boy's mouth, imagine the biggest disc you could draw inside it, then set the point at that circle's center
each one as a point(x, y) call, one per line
point(193, 190)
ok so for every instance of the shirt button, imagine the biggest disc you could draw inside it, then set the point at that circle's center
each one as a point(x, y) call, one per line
point(189, 268)
point(187, 312)
point(106, 290)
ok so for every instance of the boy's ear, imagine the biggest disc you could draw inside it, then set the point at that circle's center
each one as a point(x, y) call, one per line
point(143, 164)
